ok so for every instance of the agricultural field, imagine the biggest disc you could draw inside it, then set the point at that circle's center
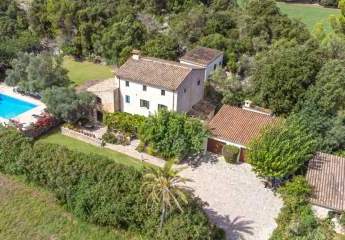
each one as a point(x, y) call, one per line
point(29, 212)
point(309, 14)
point(81, 72)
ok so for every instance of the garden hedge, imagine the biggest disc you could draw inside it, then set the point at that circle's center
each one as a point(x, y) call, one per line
point(98, 190)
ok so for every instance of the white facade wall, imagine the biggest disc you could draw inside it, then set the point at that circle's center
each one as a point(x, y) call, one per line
point(152, 94)
point(209, 69)
point(189, 92)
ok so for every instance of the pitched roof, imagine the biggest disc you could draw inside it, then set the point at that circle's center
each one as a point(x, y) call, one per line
point(104, 86)
point(201, 55)
point(238, 125)
point(326, 175)
point(156, 72)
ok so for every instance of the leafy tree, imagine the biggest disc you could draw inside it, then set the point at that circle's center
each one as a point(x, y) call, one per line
point(162, 46)
point(328, 93)
point(65, 104)
point(166, 189)
point(322, 109)
point(118, 36)
point(229, 88)
point(284, 73)
point(338, 22)
point(15, 35)
point(191, 28)
point(173, 135)
point(35, 73)
point(281, 149)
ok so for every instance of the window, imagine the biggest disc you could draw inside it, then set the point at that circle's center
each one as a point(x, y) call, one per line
point(161, 106)
point(198, 82)
point(184, 90)
point(163, 92)
point(144, 87)
point(127, 83)
point(128, 99)
point(144, 103)
point(98, 100)
point(214, 67)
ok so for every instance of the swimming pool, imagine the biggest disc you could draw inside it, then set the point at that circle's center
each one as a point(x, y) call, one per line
point(12, 107)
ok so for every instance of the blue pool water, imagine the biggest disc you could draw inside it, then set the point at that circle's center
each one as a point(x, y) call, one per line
point(11, 107)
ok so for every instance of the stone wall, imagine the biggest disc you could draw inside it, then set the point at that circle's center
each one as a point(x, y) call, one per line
point(80, 136)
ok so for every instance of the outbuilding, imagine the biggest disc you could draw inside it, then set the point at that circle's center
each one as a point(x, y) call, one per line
point(206, 58)
point(237, 126)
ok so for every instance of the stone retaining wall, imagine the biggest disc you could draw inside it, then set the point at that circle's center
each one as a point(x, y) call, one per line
point(80, 136)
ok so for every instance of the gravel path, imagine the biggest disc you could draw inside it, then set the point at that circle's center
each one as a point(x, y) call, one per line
point(237, 200)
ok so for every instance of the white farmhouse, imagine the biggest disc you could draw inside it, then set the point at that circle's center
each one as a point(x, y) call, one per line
point(206, 58)
point(148, 84)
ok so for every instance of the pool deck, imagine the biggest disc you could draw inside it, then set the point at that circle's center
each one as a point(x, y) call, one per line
point(25, 118)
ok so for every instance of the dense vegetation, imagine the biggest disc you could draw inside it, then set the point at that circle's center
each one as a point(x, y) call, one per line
point(35, 73)
point(172, 135)
point(99, 190)
point(297, 220)
point(282, 149)
point(15, 35)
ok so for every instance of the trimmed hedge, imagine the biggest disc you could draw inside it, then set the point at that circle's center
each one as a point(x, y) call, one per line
point(98, 190)
point(230, 153)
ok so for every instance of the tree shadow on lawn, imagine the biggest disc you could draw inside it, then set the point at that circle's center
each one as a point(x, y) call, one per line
point(196, 160)
point(236, 229)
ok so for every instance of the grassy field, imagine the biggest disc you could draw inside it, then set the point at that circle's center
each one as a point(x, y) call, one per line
point(71, 143)
point(81, 72)
point(309, 14)
point(28, 212)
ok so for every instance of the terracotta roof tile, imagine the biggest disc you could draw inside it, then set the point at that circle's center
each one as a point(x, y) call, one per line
point(155, 72)
point(238, 125)
point(201, 55)
point(326, 175)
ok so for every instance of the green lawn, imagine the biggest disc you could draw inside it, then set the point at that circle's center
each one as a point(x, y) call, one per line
point(309, 14)
point(81, 72)
point(71, 143)
point(29, 212)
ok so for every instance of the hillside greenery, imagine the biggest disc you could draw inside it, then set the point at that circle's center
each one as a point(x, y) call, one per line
point(100, 191)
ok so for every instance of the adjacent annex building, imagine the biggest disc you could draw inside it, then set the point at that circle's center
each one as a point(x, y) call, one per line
point(326, 176)
point(237, 126)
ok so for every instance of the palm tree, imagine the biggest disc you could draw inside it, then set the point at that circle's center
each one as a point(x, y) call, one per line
point(166, 188)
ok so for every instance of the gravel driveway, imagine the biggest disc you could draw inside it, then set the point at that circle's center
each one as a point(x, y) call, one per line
point(237, 200)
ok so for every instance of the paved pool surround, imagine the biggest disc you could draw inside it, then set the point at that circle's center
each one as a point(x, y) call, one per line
point(26, 117)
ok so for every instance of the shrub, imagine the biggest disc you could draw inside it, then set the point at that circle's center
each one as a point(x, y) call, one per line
point(124, 122)
point(342, 219)
point(329, 3)
point(230, 153)
point(173, 135)
point(115, 138)
point(97, 189)
point(296, 219)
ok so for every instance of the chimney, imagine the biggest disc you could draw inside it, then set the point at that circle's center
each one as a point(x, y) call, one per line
point(136, 54)
point(247, 104)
